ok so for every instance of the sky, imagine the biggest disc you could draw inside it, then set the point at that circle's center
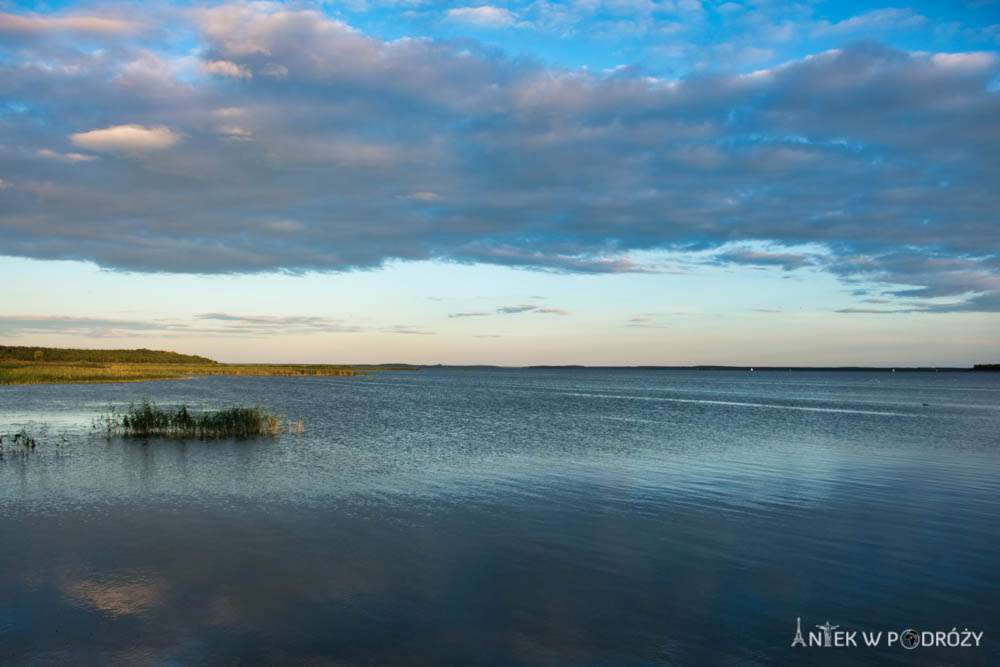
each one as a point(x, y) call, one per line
point(615, 182)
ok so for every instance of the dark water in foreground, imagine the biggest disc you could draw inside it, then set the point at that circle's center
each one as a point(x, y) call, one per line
point(528, 517)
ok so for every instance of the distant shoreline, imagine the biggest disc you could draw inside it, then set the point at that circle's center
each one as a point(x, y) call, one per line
point(766, 369)
point(42, 365)
point(886, 369)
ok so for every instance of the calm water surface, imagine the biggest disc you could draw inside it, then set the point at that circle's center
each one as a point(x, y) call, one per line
point(509, 517)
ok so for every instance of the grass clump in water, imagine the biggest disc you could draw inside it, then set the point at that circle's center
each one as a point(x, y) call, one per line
point(148, 420)
point(17, 444)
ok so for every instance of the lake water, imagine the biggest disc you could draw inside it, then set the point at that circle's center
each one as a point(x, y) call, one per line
point(509, 517)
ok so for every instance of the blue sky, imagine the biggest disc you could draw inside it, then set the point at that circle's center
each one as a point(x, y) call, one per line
point(623, 182)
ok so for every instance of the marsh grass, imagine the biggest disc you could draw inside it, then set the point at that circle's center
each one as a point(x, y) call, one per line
point(29, 365)
point(13, 371)
point(148, 420)
point(17, 444)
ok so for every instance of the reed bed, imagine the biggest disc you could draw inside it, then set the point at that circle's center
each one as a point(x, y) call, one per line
point(42, 372)
point(148, 420)
point(17, 444)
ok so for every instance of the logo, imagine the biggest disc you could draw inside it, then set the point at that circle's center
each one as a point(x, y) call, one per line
point(798, 641)
point(827, 630)
point(831, 636)
point(909, 639)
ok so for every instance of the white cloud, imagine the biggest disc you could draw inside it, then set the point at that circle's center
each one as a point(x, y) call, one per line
point(127, 138)
point(705, 157)
point(258, 29)
point(486, 15)
point(973, 60)
point(65, 157)
point(558, 170)
point(225, 68)
point(876, 19)
point(285, 226)
point(229, 112)
point(423, 196)
point(95, 25)
point(276, 71)
point(235, 132)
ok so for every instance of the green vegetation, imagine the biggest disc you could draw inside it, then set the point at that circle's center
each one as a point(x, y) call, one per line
point(989, 368)
point(147, 420)
point(30, 372)
point(140, 356)
point(17, 444)
point(33, 365)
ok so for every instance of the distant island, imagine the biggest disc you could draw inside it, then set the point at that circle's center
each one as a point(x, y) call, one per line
point(41, 365)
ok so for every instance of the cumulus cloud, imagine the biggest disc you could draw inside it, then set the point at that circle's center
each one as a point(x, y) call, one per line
point(127, 138)
point(225, 68)
point(976, 60)
point(363, 151)
point(485, 15)
point(967, 283)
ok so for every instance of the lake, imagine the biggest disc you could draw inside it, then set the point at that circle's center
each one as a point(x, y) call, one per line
point(509, 517)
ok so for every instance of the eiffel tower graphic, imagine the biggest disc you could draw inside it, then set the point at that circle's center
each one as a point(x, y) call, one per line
point(798, 641)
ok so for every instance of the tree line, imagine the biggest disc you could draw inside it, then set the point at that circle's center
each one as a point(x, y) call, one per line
point(140, 356)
